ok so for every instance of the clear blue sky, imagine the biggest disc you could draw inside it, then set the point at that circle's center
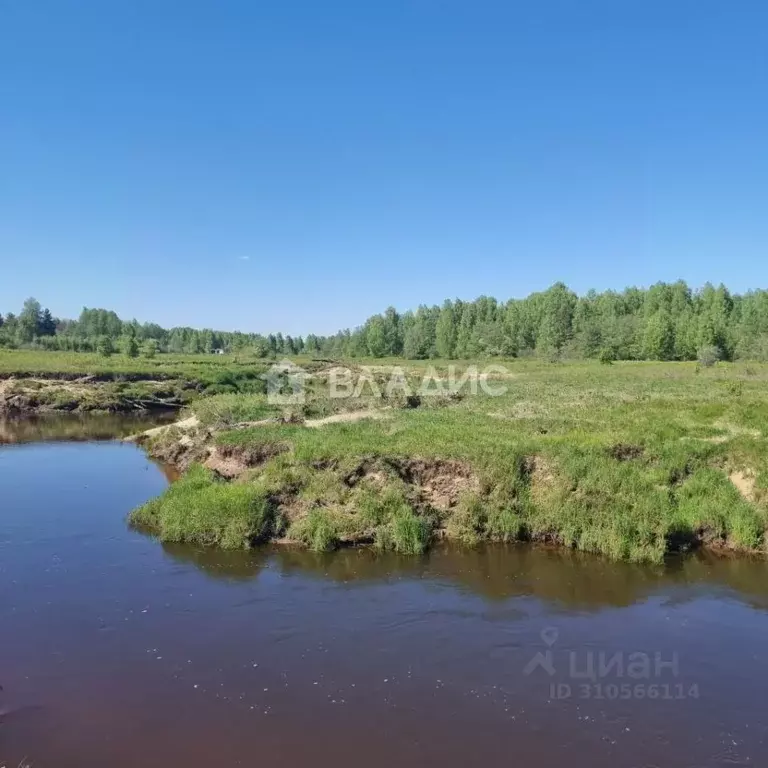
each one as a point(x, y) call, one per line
point(299, 165)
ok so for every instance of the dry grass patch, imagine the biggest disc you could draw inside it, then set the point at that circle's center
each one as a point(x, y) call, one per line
point(745, 483)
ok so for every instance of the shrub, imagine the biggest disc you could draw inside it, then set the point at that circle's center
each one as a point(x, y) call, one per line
point(149, 350)
point(607, 356)
point(131, 346)
point(708, 355)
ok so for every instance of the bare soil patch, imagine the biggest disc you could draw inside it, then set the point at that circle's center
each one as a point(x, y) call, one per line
point(230, 461)
point(440, 483)
point(543, 478)
point(344, 418)
point(435, 483)
point(735, 430)
point(185, 425)
point(626, 451)
point(179, 444)
point(744, 482)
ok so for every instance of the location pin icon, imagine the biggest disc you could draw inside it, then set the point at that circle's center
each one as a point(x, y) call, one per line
point(549, 635)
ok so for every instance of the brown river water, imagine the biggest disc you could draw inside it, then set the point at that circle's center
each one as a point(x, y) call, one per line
point(118, 651)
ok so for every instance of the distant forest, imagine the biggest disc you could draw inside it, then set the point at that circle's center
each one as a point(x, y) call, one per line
point(668, 321)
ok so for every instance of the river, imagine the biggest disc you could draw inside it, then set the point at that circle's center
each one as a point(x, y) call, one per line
point(118, 651)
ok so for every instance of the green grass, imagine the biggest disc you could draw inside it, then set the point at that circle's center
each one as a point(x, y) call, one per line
point(405, 533)
point(317, 530)
point(229, 372)
point(81, 381)
point(628, 460)
point(229, 409)
point(341, 516)
point(199, 509)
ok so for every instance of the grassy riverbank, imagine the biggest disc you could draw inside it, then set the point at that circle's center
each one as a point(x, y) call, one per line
point(630, 460)
point(35, 382)
point(30, 362)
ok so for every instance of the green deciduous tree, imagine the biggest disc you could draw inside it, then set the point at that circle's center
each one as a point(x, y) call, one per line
point(104, 346)
point(419, 338)
point(375, 337)
point(29, 321)
point(665, 321)
point(393, 336)
point(149, 348)
point(659, 337)
point(557, 307)
point(130, 346)
point(446, 331)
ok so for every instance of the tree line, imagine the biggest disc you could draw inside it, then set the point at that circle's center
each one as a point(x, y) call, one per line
point(668, 321)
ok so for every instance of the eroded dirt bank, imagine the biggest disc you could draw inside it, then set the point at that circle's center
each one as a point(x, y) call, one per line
point(27, 396)
point(325, 503)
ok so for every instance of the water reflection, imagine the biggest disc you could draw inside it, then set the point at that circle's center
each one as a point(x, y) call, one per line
point(231, 565)
point(571, 580)
point(78, 427)
point(109, 631)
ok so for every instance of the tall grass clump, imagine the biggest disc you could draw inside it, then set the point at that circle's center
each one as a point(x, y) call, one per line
point(227, 409)
point(469, 521)
point(374, 508)
point(383, 517)
point(317, 530)
point(710, 507)
point(200, 509)
point(405, 533)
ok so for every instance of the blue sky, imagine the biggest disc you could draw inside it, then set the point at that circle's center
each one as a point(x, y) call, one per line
point(300, 165)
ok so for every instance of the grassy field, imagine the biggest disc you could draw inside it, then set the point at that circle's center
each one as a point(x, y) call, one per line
point(23, 362)
point(65, 381)
point(630, 460)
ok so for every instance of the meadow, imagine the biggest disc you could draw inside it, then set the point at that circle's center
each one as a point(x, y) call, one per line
point(206, 367)
point(631, 459)
point(33, 381)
